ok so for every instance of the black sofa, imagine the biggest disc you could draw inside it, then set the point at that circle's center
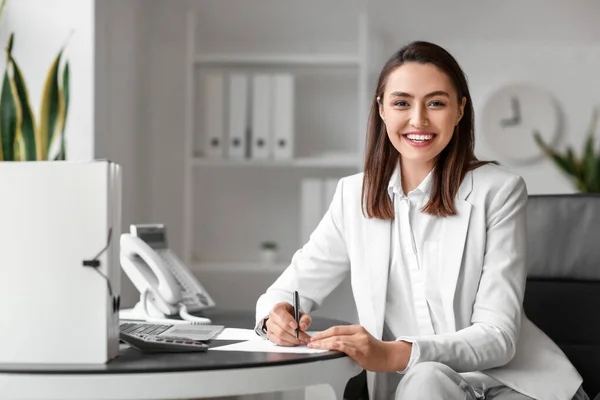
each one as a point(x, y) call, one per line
point(562, 296)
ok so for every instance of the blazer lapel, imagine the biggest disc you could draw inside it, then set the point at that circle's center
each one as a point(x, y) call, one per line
point(377, 258)
point(454, 234)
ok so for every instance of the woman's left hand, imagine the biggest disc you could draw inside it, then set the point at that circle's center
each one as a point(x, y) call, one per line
point(370, 353)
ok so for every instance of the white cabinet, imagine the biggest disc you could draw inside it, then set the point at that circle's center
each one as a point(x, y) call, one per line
point(232, 204)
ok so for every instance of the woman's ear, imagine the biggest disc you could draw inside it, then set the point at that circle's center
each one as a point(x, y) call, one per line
point(380, 104)
point(461, 109)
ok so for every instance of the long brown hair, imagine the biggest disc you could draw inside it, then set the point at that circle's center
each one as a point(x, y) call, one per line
point(453, 162)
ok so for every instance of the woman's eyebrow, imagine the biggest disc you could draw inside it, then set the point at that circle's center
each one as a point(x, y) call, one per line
point(428, 95)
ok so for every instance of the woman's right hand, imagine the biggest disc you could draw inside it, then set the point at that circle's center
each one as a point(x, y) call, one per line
point(281, 326)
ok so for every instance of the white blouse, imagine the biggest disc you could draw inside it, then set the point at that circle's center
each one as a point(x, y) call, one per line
point(413, 302)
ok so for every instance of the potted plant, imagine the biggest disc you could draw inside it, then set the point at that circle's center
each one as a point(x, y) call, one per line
point(268, 251)
point(22, 137)
point(584, 170)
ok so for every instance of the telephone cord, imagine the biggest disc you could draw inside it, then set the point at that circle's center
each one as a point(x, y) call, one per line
point(183, 313)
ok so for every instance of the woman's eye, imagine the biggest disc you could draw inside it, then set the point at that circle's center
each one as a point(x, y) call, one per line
point(437, 104)
point(401, 103)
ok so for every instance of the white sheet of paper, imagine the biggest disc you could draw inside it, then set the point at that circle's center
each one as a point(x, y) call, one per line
point(267, 346)
point(237, 334)
point(243, 334)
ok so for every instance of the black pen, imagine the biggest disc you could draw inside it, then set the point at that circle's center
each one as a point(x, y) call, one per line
point(296, 302)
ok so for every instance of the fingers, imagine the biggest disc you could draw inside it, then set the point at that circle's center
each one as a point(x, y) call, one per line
point(336, 343)
point(282, 326)
point(281, 341)
point(305, 321)
point(282, 315)
point(304, 337)
point(339, 330)
point(284, 334)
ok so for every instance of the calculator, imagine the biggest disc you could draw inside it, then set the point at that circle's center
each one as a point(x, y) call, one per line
point(162, 344)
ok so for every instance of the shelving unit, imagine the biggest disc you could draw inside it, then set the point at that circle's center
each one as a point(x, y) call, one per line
point(350, 161)
point(240, 267)
point(207, 179)
point(332, 60)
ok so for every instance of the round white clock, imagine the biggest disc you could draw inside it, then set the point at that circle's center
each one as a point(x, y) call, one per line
point(512, 115)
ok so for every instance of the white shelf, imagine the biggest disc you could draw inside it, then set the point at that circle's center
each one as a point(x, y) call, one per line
point(308, 162)
point(279, 59)
point(326, 157)
point(231, 267)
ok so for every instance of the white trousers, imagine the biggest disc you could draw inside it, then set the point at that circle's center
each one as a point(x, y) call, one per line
point(437, 381)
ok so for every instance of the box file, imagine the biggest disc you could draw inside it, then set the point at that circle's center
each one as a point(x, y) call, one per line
point(260, 135)
point(214, 115)
point(283, 116)
point(52, 308)
point(238, 116)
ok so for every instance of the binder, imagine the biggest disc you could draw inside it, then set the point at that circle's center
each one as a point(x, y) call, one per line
point(283, 116)
point(260, 134)
point(238, 116)
point(214, 115)
point(45, 290)
point(311, 207)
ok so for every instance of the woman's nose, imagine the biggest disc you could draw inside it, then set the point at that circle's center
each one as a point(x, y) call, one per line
point(418, 118)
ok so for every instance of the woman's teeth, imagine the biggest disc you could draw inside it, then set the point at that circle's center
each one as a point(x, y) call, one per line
point(419, 138)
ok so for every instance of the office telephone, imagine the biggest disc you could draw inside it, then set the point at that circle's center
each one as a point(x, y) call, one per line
point(167, 288)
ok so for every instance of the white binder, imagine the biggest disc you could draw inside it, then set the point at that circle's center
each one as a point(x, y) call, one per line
point(283, 116)
point(214, 115)
point(311, 207)
point(238, 116)
point(260, 134)
point(53, 309)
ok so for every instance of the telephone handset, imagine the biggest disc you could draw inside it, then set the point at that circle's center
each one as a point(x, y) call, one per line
point(149, 274)
point(166, 286)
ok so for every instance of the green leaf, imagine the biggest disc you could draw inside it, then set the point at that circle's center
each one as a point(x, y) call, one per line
point(597, 181)
point(564, 163)
point(592, 178)
point(8, 119)
point(570, 157)
point(2, 5)
point(50, 111)
point(580, 185)
point(27, 121)
point(65, 92)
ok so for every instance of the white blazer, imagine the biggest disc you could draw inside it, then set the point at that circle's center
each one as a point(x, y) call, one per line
point(484, 275)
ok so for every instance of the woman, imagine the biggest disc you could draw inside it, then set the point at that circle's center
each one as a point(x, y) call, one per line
point(434, 241)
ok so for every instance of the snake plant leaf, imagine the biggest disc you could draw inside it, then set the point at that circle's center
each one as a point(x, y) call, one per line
point(9, 118)
point(2, 6)
point(62, 155)
point(50, 110)
point(26, 136)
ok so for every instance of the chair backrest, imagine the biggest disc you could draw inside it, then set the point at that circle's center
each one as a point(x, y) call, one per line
point(563, 286)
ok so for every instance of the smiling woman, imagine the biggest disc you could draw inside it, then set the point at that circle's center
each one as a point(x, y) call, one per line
point(434, 241)
point(426, 120)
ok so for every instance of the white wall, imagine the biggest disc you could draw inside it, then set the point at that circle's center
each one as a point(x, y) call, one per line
point(567, 70)
point(120, 100)
point(41, 27)
point(552, 43)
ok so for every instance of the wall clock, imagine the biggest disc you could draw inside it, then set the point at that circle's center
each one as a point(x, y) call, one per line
point(510, 117)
